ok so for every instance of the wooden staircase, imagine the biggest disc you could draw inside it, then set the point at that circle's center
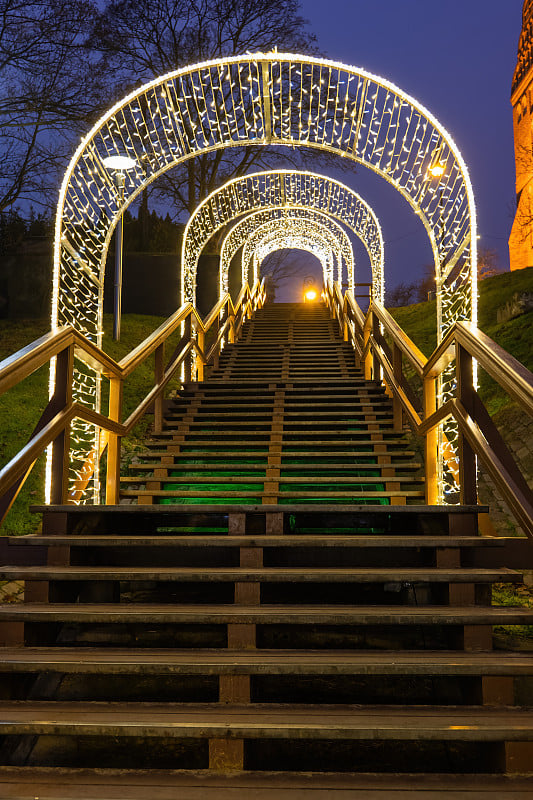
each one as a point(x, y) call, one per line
point(271, 611)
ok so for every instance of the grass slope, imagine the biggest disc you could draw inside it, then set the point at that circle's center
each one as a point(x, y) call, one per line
point(515, 336)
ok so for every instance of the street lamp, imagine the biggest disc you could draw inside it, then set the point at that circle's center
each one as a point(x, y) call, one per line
point(119, 165)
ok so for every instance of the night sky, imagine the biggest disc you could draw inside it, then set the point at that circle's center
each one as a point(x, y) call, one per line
point(457, 58)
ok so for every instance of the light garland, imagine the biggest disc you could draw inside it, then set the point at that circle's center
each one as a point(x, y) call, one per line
point(274, 189)
point(241, 235)
point(292, 225)
point(290, 100)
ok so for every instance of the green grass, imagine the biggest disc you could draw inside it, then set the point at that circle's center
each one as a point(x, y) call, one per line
point(515, 336)
point(504, 594)
point(21, 406)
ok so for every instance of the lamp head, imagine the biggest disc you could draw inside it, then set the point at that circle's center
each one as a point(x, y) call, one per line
point(119, 162)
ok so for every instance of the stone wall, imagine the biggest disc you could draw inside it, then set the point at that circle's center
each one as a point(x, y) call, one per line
point(517, 431)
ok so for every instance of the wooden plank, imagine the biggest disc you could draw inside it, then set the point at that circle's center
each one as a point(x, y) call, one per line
point(263, 662)
point(26, 783)
point(175, 720)
point(263, 574)
point(228, 540)
point(265, 614)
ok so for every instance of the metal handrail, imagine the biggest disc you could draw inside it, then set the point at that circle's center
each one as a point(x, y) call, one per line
point(478, 436)
point(65, 343)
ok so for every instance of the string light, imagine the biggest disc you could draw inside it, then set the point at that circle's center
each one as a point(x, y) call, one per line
point(292, 100)
point(272, 189)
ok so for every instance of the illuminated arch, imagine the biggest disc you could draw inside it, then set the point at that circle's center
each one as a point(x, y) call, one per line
point(267, 99)
point(246, 227)
point(290, 232)
point(310, 242)
point(274, 189)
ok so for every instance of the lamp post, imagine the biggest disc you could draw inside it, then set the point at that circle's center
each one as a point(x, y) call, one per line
point(118, 164)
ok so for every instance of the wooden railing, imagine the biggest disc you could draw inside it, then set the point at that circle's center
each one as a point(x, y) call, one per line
point(478, 436)
point(222, 324)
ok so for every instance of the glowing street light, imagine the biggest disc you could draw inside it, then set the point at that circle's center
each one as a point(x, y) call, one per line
point(310, 295)
point(437, 170)
point(119, 164)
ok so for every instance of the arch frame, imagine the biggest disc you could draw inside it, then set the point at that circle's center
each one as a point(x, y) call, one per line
point(247, 225)
point(345, 118)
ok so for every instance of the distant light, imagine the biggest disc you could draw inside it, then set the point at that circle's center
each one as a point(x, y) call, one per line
point(310, 294)
point(119, 162)
point(437, 170)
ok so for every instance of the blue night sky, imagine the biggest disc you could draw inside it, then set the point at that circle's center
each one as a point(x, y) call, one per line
point(457, 58)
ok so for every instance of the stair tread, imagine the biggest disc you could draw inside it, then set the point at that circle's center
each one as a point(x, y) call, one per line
point(78, 510)
point(269, 661)
point(263, 574)
point(262, 540)
point(26, 783)
point(307, 479)
point(222, 614)
point(266, 721)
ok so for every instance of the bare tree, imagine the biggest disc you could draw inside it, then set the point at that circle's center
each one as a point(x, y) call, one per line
point(142, 39)
point(47, 94)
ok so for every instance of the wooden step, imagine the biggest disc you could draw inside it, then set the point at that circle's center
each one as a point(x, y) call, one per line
point(309, 480)
point(263, 662)
point(111, 613)
point(28, 783)
point(328, 540)
point(263, 574)
point(179, 720)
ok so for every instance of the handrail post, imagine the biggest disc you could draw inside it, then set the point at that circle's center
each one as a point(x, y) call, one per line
point(366, 339)
point(200, 339)
point(112, 496)
point(61, 445)
point(159, 373)
point(231, 332)
point(188, 361)
point(431, 443)
point(467, 457)
point(397, 410)
point(375, 360)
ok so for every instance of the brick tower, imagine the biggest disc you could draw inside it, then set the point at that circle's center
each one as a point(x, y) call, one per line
point(521, 238)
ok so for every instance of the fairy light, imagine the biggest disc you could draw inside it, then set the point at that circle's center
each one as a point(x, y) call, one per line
point(289, 229)
point(272, 189)
point(294, 100)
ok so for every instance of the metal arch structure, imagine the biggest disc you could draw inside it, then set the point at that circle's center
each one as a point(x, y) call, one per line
point(273, 189)
point(246, 227)
point(311, 242)
point(299, 223)
point(293, 232)
point(279, 99)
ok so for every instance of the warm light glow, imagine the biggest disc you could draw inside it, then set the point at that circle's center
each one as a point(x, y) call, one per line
point(437, 170)
point(119, 162)
point(310, 294)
